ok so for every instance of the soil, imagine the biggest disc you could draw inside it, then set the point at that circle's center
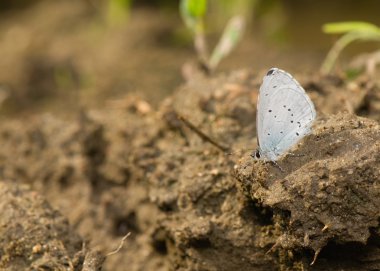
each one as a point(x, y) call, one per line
point(188, 204)
point(176, 173)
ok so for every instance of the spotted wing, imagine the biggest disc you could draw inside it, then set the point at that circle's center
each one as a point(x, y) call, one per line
point(285, 113)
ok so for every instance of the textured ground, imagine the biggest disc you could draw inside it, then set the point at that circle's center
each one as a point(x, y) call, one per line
point(189, 205)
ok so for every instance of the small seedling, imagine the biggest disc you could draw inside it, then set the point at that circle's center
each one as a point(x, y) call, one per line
point(118, 11)
point(193, 13)
point(352, 31)
point(231, 36)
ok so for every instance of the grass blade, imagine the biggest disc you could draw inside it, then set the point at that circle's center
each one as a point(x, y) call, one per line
point(231, 36)
point(345, 27)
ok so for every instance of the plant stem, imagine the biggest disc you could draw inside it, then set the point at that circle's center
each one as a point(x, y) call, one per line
point(200, 45)
point(345, 40)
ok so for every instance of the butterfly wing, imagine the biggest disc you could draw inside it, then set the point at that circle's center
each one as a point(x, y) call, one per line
point(285, 114)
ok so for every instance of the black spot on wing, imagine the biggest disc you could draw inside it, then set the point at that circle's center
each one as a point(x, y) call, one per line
point(270, 72)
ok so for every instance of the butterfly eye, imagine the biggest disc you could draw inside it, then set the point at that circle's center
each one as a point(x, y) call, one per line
point(256, 154)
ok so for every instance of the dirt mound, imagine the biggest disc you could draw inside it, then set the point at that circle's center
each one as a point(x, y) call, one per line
point(128, 168)
point(328, 194)
point(33, 235)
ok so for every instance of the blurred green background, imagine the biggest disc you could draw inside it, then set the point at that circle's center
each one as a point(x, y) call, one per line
point(61, 55)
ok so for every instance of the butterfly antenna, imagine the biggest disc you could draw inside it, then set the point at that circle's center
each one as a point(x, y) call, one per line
point(202, 134)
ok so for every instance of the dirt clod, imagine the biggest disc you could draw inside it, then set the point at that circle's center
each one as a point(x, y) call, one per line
point(33, 235)
point(331, 194)
point(188, 204)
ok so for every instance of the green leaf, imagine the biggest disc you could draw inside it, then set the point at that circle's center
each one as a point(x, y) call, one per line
point(353, 73)
point(118, 11)
point(195, 8)
point(192, 12)
point(345, 27)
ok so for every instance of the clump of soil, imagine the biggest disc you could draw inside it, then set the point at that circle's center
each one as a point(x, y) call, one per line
point(190, 205)
point(334, 94)
point(88, 170)
point(36, 237)
point(328, 194)
point(225, 111)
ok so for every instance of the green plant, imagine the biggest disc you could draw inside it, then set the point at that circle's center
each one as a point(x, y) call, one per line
point(193, 13)
point(118, 11)
point(352, 31)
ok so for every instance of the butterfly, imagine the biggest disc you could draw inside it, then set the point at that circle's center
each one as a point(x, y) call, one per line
point(284, 116)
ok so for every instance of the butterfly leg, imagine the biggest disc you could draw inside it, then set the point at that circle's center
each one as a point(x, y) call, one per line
point(277, 165)
point(246, 165)
point(294, 154)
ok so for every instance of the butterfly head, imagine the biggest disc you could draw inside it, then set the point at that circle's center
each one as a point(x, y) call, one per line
point(256, 154)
